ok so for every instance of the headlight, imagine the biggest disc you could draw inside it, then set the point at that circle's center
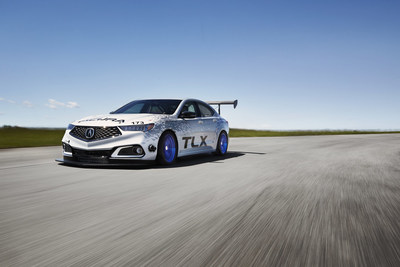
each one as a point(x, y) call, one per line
point(70, 126)
point(138, 128)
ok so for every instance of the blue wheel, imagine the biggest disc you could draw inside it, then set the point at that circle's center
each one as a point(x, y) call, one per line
point(167, 148)
point(222, 145)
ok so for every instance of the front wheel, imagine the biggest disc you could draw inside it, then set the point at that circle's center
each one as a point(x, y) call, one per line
point(167, 149)
point(222, 146)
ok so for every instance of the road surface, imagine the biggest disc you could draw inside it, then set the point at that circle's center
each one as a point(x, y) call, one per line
point(283, 201)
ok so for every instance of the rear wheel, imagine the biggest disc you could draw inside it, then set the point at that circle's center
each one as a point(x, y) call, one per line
point(222, 146)
point(167, 149)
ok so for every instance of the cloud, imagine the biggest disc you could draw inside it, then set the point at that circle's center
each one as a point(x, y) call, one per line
point(27, 103)
point(54, 104)
point(7, 100)
point(72, 105)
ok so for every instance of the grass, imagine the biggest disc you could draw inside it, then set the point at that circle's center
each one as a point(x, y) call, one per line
point(11, 137)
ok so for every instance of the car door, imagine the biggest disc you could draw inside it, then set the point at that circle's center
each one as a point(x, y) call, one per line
point(189, 140)
point(208, 131)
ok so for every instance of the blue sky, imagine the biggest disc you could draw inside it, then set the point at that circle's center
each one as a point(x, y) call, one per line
point(291, 64)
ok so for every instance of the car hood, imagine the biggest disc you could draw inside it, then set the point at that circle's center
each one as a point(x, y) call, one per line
point(119, 119)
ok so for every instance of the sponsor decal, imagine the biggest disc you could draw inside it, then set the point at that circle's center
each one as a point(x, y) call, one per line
point(192, 138)
point(103, 119)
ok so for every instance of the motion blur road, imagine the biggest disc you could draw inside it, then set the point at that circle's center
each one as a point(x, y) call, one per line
point(283, 201)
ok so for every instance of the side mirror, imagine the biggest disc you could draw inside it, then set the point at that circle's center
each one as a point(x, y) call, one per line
point(187, 115)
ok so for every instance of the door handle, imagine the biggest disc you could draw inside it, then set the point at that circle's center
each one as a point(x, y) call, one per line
point(200, 122)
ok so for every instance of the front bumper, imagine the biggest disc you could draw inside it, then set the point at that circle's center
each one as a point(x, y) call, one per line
point(79, 157)
point(126, 149)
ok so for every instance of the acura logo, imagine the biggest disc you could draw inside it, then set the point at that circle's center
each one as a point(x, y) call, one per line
point(89, 133)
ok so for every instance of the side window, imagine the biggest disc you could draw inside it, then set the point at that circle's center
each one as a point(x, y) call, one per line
point(190, 106)
point(205, 111)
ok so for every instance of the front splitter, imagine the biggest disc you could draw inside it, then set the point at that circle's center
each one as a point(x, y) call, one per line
point(109, 163)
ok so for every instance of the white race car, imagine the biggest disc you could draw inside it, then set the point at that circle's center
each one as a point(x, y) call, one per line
point(147, 130)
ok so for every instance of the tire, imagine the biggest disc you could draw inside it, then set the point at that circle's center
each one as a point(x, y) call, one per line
point(222, 145)
point(167, 149)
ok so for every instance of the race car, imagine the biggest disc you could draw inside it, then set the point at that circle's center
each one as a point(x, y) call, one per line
point(147, 130)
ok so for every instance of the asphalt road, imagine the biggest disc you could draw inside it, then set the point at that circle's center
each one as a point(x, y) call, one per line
point(284, 201)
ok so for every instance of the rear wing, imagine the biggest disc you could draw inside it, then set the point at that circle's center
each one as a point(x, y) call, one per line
point(219, 103)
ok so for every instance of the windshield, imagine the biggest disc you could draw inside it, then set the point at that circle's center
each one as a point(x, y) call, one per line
point(149, 106)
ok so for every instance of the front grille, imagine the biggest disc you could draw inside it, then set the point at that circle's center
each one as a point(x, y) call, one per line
point(94, 156)
point(99, 133)
point(92, 153)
